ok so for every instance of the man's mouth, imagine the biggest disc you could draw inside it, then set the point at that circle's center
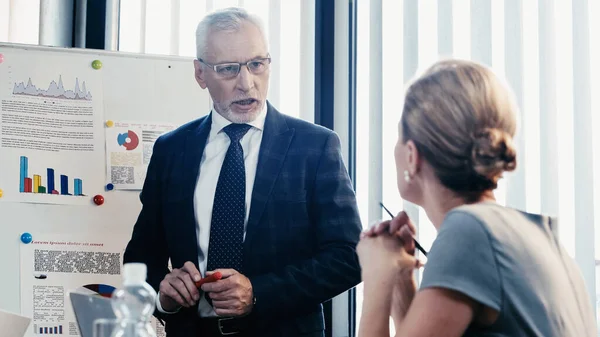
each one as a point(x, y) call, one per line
point(245, 102)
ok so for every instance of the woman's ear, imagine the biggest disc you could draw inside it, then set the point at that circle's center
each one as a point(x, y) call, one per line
point(413, 158)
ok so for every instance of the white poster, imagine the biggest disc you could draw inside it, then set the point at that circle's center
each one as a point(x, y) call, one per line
point(51, 137)
point(52, 266)
point(128, 150)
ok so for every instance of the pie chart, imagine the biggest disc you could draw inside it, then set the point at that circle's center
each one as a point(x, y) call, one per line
point(103, 290)
point(129, 140)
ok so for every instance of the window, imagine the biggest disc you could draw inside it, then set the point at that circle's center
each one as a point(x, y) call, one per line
point(168, 27)
point(19, 21)
point(543, 50)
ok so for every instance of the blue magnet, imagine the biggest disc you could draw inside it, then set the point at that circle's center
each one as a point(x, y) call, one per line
point(109, 187)
point(26, 238)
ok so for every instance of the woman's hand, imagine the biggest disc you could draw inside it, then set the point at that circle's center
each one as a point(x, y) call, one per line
point(386, 255)
point(401, 226)
point(394, 243)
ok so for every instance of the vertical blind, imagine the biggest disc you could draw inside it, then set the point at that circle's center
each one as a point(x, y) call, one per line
point(543, 49)
point(168, 28)
point(19, 21)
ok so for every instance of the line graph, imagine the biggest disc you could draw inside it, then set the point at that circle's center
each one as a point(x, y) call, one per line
point(55, 90)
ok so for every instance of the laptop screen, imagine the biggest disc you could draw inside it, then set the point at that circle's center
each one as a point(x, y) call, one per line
point(89, 308)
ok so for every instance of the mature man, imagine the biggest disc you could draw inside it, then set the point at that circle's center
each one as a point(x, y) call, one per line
point(258, 196)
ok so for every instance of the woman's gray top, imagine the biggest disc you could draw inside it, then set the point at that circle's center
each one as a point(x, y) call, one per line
point(511, 261)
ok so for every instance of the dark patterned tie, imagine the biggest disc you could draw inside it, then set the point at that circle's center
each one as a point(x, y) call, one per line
point(229, 209)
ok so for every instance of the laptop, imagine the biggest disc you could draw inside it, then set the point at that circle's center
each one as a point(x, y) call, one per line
point(89, 308)
point(13, 325)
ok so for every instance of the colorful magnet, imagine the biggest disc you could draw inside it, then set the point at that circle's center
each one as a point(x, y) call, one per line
point(1, 58)
point(1, 193)
point(26, 238)
point(110, 187)
point(110, 123)
point(97, 64)
point(98, 200)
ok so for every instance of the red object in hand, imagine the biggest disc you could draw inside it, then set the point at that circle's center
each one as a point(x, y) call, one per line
point(98, 200)
point(211, 278)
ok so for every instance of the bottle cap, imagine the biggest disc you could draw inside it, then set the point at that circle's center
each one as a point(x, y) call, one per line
point(134, 273)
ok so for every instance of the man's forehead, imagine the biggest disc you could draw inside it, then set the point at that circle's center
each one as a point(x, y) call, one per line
point(240, 45)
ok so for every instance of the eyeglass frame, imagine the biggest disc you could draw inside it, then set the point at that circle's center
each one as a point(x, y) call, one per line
point(240, 64)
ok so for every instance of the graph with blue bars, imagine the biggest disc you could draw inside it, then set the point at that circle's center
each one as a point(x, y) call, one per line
point(35, 183)
point(49, 330)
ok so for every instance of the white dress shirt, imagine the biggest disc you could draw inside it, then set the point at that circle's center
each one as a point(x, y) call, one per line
point(210, 168)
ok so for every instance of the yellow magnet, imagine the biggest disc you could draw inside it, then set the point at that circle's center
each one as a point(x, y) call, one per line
point(110, 124)
point(1, 192)
point(97, 64)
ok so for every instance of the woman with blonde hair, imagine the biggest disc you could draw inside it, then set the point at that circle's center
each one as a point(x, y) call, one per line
point(492, 270)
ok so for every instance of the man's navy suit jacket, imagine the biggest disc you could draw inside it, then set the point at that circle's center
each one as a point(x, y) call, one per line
point(302, 231)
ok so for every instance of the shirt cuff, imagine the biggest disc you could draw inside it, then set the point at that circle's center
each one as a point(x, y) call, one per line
point(159, 307)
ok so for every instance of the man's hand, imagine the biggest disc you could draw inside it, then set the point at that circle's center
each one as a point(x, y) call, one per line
point(232, 295)
point(178, 288)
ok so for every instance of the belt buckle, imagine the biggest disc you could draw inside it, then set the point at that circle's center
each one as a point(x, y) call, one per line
point(221, 327)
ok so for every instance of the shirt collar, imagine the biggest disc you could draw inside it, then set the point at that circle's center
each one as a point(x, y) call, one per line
point(219, 122)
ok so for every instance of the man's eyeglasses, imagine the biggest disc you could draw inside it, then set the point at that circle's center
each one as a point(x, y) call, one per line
point(231, 70)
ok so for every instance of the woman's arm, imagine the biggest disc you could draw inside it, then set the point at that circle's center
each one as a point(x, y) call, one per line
point(432, 312)
point(403, 295)
point(460, 284)
point(375, 317)
point(386, 254)
point(437, 312)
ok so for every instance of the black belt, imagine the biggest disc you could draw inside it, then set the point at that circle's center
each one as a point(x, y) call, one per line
point(225, 326)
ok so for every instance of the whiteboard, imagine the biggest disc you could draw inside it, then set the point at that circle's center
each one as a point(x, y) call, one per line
point(135, 87)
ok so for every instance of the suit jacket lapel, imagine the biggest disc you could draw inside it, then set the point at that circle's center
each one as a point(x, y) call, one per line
point(273, 149)
point(193, 150)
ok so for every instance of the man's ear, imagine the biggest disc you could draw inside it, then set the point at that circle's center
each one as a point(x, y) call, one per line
point(413, 158)
point(199, 74)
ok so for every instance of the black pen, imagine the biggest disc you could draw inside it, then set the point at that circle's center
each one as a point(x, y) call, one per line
point(417, 244)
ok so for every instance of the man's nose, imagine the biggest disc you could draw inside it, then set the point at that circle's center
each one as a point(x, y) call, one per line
point(245, 79)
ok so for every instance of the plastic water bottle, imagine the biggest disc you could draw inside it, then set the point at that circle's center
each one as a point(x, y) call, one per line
point(134, 302)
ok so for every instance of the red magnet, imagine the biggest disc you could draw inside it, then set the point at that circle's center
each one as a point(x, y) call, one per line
point(98, 200)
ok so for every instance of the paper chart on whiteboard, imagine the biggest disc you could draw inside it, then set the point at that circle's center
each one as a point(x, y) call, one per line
point(52, 266)
point(129, 148)
point(51, 144)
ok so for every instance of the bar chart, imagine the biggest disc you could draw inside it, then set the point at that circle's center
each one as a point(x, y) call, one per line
point(49, 330)
point(35, 184)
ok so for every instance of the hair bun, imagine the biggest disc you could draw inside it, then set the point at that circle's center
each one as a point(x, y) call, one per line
point(493, 153)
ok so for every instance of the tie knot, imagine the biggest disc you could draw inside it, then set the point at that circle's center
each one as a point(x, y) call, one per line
point(236, 131)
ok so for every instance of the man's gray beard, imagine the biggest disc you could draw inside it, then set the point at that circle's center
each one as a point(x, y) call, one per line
point(241, 118)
